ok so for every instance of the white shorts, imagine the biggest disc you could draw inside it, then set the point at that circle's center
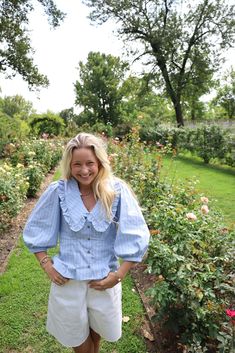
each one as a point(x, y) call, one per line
point(74, 308)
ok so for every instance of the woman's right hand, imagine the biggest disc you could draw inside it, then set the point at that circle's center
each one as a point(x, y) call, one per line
point(54, 276)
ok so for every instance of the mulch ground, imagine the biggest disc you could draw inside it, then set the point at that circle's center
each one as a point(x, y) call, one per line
point(156, 341)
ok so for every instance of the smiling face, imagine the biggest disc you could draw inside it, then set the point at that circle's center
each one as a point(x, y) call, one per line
point(84, 166)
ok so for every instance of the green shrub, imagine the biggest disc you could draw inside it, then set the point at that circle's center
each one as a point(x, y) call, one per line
point(47, 123)
point(43, 154)
point(11, 129)
point(30, 161)
point(208, 142)
point(56, 150)
point(47, 153)
point(35, 175)
point(13, 191)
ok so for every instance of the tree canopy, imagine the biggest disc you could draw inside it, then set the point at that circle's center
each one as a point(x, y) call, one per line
point(16, 106)
point(182, 40)
point(98, 90)
point(226, 94)
point(16, 53)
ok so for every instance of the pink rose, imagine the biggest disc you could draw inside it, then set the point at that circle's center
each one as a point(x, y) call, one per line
point(191, 216)
point(205, 209)
point(204, 199)
point(112, 156)
point(230, 313)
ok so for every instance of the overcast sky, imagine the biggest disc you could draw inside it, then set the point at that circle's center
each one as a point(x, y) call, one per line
point(57, 53)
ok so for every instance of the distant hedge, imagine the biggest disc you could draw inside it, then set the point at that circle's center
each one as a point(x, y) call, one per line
point(209, 142)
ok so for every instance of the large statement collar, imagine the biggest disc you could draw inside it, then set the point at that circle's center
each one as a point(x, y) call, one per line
point(74, 211)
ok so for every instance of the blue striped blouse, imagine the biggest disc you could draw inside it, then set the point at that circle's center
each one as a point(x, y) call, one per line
point(89, 244)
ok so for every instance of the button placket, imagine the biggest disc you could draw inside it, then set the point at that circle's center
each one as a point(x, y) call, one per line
point(89, 247)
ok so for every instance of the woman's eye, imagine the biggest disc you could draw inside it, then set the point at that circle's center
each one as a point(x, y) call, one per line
point(90, 163)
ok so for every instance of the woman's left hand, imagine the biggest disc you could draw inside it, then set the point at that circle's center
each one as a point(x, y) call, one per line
point(108, 282)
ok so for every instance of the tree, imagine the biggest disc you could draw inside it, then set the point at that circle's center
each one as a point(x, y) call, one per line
point(16, 106)
point(226, 95)
point(200, 83)
point(141, 100)
point(98, 89)
point(67, 115)
point(15, 47)
point(177, 37)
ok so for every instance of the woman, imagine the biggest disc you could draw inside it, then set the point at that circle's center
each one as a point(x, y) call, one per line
point(96, 220)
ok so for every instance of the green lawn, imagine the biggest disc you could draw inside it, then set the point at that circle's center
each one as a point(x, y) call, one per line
point(217, 183)
point(24, 290)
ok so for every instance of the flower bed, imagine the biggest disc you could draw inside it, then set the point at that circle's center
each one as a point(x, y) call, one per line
point(22, 172)
point(191, 251)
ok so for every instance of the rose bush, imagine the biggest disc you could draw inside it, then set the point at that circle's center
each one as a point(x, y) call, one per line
point(25, 166)
point(13, 189)
point(191, 250)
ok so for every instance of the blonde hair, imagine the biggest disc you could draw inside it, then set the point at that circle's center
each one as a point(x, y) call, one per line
point(102, 184)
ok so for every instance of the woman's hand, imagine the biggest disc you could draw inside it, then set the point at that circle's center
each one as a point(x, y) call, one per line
point(108, 282)
point(54, 276)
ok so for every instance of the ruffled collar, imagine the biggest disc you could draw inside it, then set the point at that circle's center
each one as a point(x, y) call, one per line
point(75, 212)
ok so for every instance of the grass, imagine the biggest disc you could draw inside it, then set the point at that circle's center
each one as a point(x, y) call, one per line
point(215, 182)
point(24, 290)
point(57, 174)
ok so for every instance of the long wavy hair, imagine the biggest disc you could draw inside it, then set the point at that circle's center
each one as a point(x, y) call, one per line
point(102, 186)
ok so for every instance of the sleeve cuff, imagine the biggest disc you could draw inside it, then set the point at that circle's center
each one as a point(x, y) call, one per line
point(35, 250)
point(131, 259)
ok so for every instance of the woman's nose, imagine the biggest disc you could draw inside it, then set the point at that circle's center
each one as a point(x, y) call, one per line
point(84, 170)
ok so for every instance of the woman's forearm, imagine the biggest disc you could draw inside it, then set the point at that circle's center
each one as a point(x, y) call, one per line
point(40, 255)
point(124, 268)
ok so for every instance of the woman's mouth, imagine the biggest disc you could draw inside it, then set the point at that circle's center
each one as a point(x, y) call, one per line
point(85, 176)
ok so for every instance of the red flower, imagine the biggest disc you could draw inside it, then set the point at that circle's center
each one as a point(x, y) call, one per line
point(230, 313)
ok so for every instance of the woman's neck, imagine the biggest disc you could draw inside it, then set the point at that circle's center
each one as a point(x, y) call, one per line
point(85, 190)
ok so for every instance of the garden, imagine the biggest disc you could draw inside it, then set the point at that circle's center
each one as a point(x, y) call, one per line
point(170, 133)
point(187, 275)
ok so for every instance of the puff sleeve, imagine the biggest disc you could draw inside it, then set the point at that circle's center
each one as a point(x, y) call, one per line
point(132, 235)
point(42, 228)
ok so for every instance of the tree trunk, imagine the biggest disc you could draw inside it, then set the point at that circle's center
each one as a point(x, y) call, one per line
point(175, 96)
point(193, 115)
point(178, 114)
